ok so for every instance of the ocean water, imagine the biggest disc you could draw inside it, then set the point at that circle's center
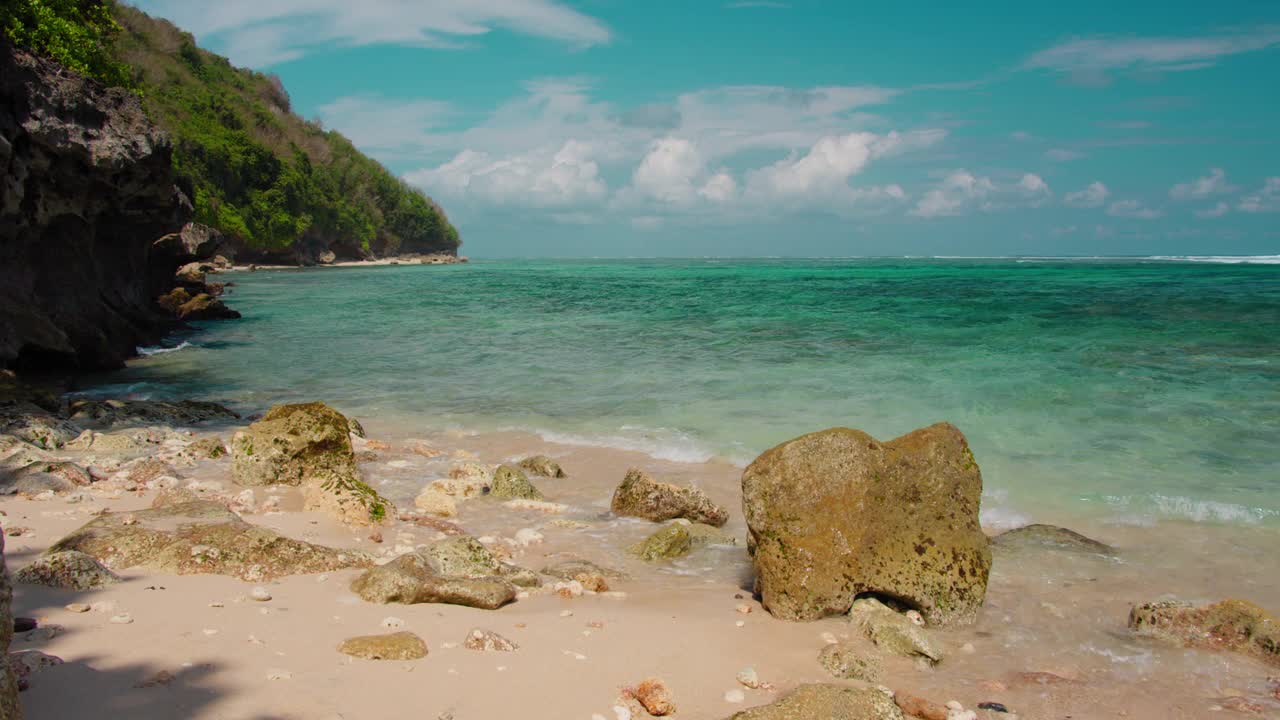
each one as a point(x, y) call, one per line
point(1133, 390)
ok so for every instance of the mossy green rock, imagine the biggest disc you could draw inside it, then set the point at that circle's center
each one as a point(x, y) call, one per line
point(309, 444)
point(837, 513)
point(291, 444)
point(392, 646)
point(511, 484)
point(641, 496)
point(1232, 625)
point(465, 556)
point(669, 543)
point(199, 538)
point(410, 579)
point(542, 466)
point(827, 702)
point(849, 661)
point(70, 570)
point(1049, 537)
point(893, 632)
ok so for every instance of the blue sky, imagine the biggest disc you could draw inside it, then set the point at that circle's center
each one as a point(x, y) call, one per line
point(611, 128)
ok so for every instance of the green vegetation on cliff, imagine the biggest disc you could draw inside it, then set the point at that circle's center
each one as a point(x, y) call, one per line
point(278, 184)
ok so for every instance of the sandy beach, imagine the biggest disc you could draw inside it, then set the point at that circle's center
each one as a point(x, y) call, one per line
point(1050, 642)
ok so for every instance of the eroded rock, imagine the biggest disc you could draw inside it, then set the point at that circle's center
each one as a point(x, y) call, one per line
point(892, 631)
point(641, 496)
point(393, 646)
point(829, 702)
point(1232, 625)
point(837, 513)
point(511, 484)
point(410, 579)
point(201, 537)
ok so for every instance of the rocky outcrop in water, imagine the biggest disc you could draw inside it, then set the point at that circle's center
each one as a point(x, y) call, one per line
point(1233, 625)
point(88, 187)
point(837, 513)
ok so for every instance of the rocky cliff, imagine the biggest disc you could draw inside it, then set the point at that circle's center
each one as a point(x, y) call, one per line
point(88, 187)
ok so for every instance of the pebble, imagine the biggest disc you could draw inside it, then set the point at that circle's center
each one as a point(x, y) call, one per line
point(260, 594)
point(654, 697)
point(274, 674)
point(744, 609)
point(741, 623)
point(915, 617)
point(216, 604)
point(735, 696)
point(748, 677)
point(575, 655)
point(78, 608)
point(210, 631)
point(993, 707)
point(566, 613)
point(122, 619)
point(392, 622)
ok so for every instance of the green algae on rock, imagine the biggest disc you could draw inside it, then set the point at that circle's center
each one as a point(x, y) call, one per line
point(392, 646)
point(837, 513)
point(69, 569)
point(641, 496)
point(201, 538)
point(849, 661)
point(1049, 537)
point(828, 702)
point(410, 579)
point(511, 483)
point(542, 466)
point(672, 541)
point(1234, 625)
point(309, 444)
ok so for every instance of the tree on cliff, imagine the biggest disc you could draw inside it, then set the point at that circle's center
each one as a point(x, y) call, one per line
point(75, 33)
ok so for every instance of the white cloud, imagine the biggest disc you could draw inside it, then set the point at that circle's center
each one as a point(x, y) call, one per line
point(260, 33)
point(1216, 211)
point(956, 191)
point(564, 178)
point(1095, 195)
point(1132, 209)
point(667, 173)
point(961, 191)
point(1062, 155)
point(721, 188)
point(1215, 183)
point(1266, 199)
point(1168, 54)
point(825, 168)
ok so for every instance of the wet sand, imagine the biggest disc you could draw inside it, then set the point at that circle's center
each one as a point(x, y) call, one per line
point(1058, 615)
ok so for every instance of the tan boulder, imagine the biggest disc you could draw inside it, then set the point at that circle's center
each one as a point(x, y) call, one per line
point(641, 496)
point(837, 513)
point(392, 646)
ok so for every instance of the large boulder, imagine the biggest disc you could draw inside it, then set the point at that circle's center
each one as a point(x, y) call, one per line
point(309, 444)
point(9, 707)
point(201, 538)
point(1233, 625)
point(410, 579)
point(828, 702)
point(641, 496)
point(837, 513)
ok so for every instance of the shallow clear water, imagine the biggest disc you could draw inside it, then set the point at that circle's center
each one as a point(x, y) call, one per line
point(1133, 389)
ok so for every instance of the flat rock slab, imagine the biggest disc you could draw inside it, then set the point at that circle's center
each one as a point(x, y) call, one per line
point(394, 646)
point(202, 538)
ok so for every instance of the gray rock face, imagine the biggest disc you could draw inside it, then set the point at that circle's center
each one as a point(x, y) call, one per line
point(86, 187)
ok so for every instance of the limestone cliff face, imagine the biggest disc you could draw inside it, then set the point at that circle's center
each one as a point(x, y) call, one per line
point(86, 188)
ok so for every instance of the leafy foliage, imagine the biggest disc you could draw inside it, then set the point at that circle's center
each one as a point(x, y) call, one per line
point(75, 33)
point(257, 172)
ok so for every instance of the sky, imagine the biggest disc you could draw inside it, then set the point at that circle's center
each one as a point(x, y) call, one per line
point(607, 128)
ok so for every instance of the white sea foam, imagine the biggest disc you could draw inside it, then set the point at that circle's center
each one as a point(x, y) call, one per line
point(161, 350)
point(1227, 259)
point(1185, 508)
point(1000, 518)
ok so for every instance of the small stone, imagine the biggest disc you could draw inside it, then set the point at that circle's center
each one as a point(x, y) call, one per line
point(993, 707)
point(275, 674)
point(122, 619)
point(740, 623)
point(488, 641)
point(78, 607)
point(735, 696)
point(654, 697)
point(747, 677)
point(396, 646)
point(919, 707)
point(744, 609)
point(392, 622)
point(376, 537)
point(260, 594)
point(566, 613)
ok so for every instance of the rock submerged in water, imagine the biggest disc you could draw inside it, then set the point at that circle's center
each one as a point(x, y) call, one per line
point(828, 702)
point(542, 466)
point(679, 539)
point(69, 570)
point(837, 513)
point(394, 646)
point(309, 444)
point(1234, 625)
point(641, 496)
point(201, 537)
point(1049, 537)
point(511, 484)
point(149, 412)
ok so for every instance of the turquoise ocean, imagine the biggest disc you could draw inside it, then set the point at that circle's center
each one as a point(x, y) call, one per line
point(1134, 390)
